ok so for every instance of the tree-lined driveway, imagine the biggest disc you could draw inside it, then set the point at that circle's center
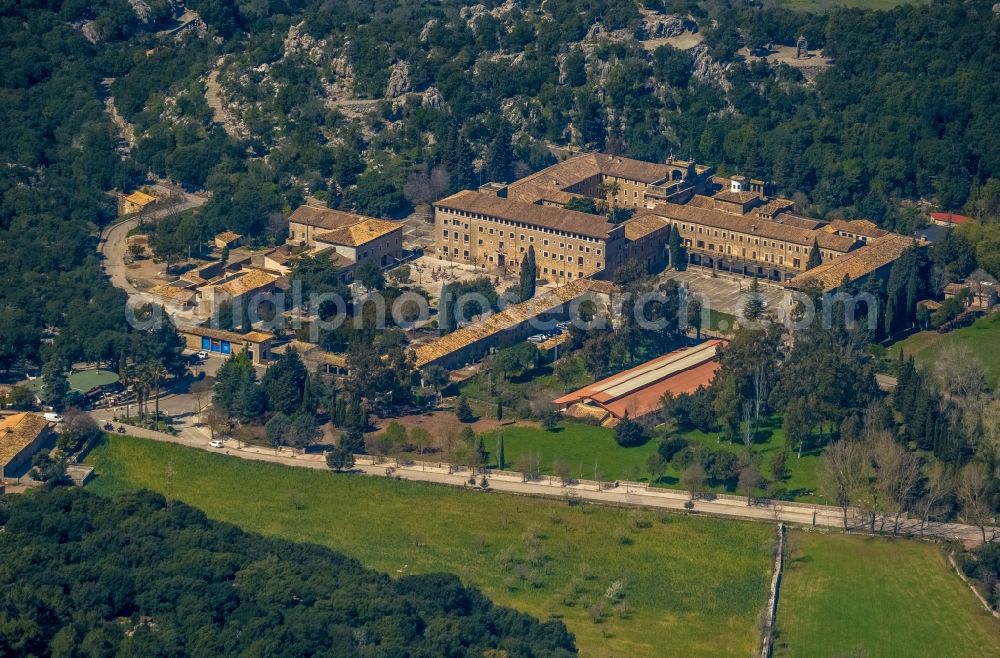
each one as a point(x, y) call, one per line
point(625, 494)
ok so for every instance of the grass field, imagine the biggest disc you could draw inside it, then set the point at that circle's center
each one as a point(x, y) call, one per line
point(695, 585)
point(857, 596)
point(582, 446)
point(981, 337)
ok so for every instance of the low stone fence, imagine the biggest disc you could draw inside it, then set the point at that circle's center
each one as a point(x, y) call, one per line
point(771, 613)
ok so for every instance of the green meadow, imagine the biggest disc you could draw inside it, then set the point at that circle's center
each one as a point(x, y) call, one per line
point(693, 586)
point(860, 596)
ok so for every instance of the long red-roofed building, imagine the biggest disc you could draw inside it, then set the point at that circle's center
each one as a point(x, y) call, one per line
point(638, 391)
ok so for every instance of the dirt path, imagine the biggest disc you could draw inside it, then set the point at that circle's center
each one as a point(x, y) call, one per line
point(213, 96)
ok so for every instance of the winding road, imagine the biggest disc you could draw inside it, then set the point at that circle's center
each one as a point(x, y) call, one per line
point(112, 244)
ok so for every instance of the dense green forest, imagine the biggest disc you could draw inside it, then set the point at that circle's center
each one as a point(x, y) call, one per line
point(141, 576)
point(458, 95)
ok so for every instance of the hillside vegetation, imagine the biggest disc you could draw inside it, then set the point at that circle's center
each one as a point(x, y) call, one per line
point(685, 585)
point(138, 576)
point(379, 106)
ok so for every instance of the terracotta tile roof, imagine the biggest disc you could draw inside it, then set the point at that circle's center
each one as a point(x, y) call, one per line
point(856, 264)
point(638, 390)
point(796, 220)
point(17, 432)
point(750, 225)
point(360, 233)
point(249, 281)
point(949, 218)
point(233, 337)
point(641, 226)
point(551, 217)
point(955, 288)
point(174, 294)
point(648, 400)
point(508, 318)
point(600, 286)
point(864, 227)
point(324, 218)
point(139, 198)
point(315, 354)
point(736, 197)
point(774, 206)
point(637, 170)
point(228, 236)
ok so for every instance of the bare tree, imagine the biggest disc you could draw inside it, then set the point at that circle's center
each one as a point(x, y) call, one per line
point(749, 482)
point(897, 472)
point(562, 471)
point(217, 421)
point(840, 474)
point(937, 487)
point(973, 481)
point(693, 479)
point(749, 429)
point(201, 390)
point(759, 389)
point(424, 186)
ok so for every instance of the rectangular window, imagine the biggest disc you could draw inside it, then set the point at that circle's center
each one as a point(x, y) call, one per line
point(444, 234)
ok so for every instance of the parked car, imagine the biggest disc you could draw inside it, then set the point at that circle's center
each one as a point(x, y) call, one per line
point(537, 338)
point(202, 355)
point(53, 417)
point(215, 443)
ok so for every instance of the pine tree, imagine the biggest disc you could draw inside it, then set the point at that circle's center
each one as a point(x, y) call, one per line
point(463, 412)
point(526, 282)
point(499, 156)
point(353, 441)
point(629, 433)
point(815, 257)
point(754, 306)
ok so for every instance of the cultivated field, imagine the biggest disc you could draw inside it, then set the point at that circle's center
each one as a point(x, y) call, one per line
point(858, 596)
point(693, 586)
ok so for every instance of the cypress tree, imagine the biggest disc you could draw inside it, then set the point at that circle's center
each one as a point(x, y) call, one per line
point(526, 282)
point(676, 249)
point(501, 461)
point(499, 410)
point(815, 257)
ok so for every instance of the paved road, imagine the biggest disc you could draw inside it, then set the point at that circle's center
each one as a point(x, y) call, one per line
point(626, 494)
point(112, 242)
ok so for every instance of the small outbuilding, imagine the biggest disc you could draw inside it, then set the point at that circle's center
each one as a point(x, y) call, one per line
point(21, 436)
point(228, 240)
point(135, 202)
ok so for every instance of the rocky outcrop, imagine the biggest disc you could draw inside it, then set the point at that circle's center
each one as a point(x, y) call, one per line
point(141, 9)
point(709, 70)
point(472, 14)
point(432, 98)
point(426, 30)
point(399, 80)
point(664, 26)
point(297, 41)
